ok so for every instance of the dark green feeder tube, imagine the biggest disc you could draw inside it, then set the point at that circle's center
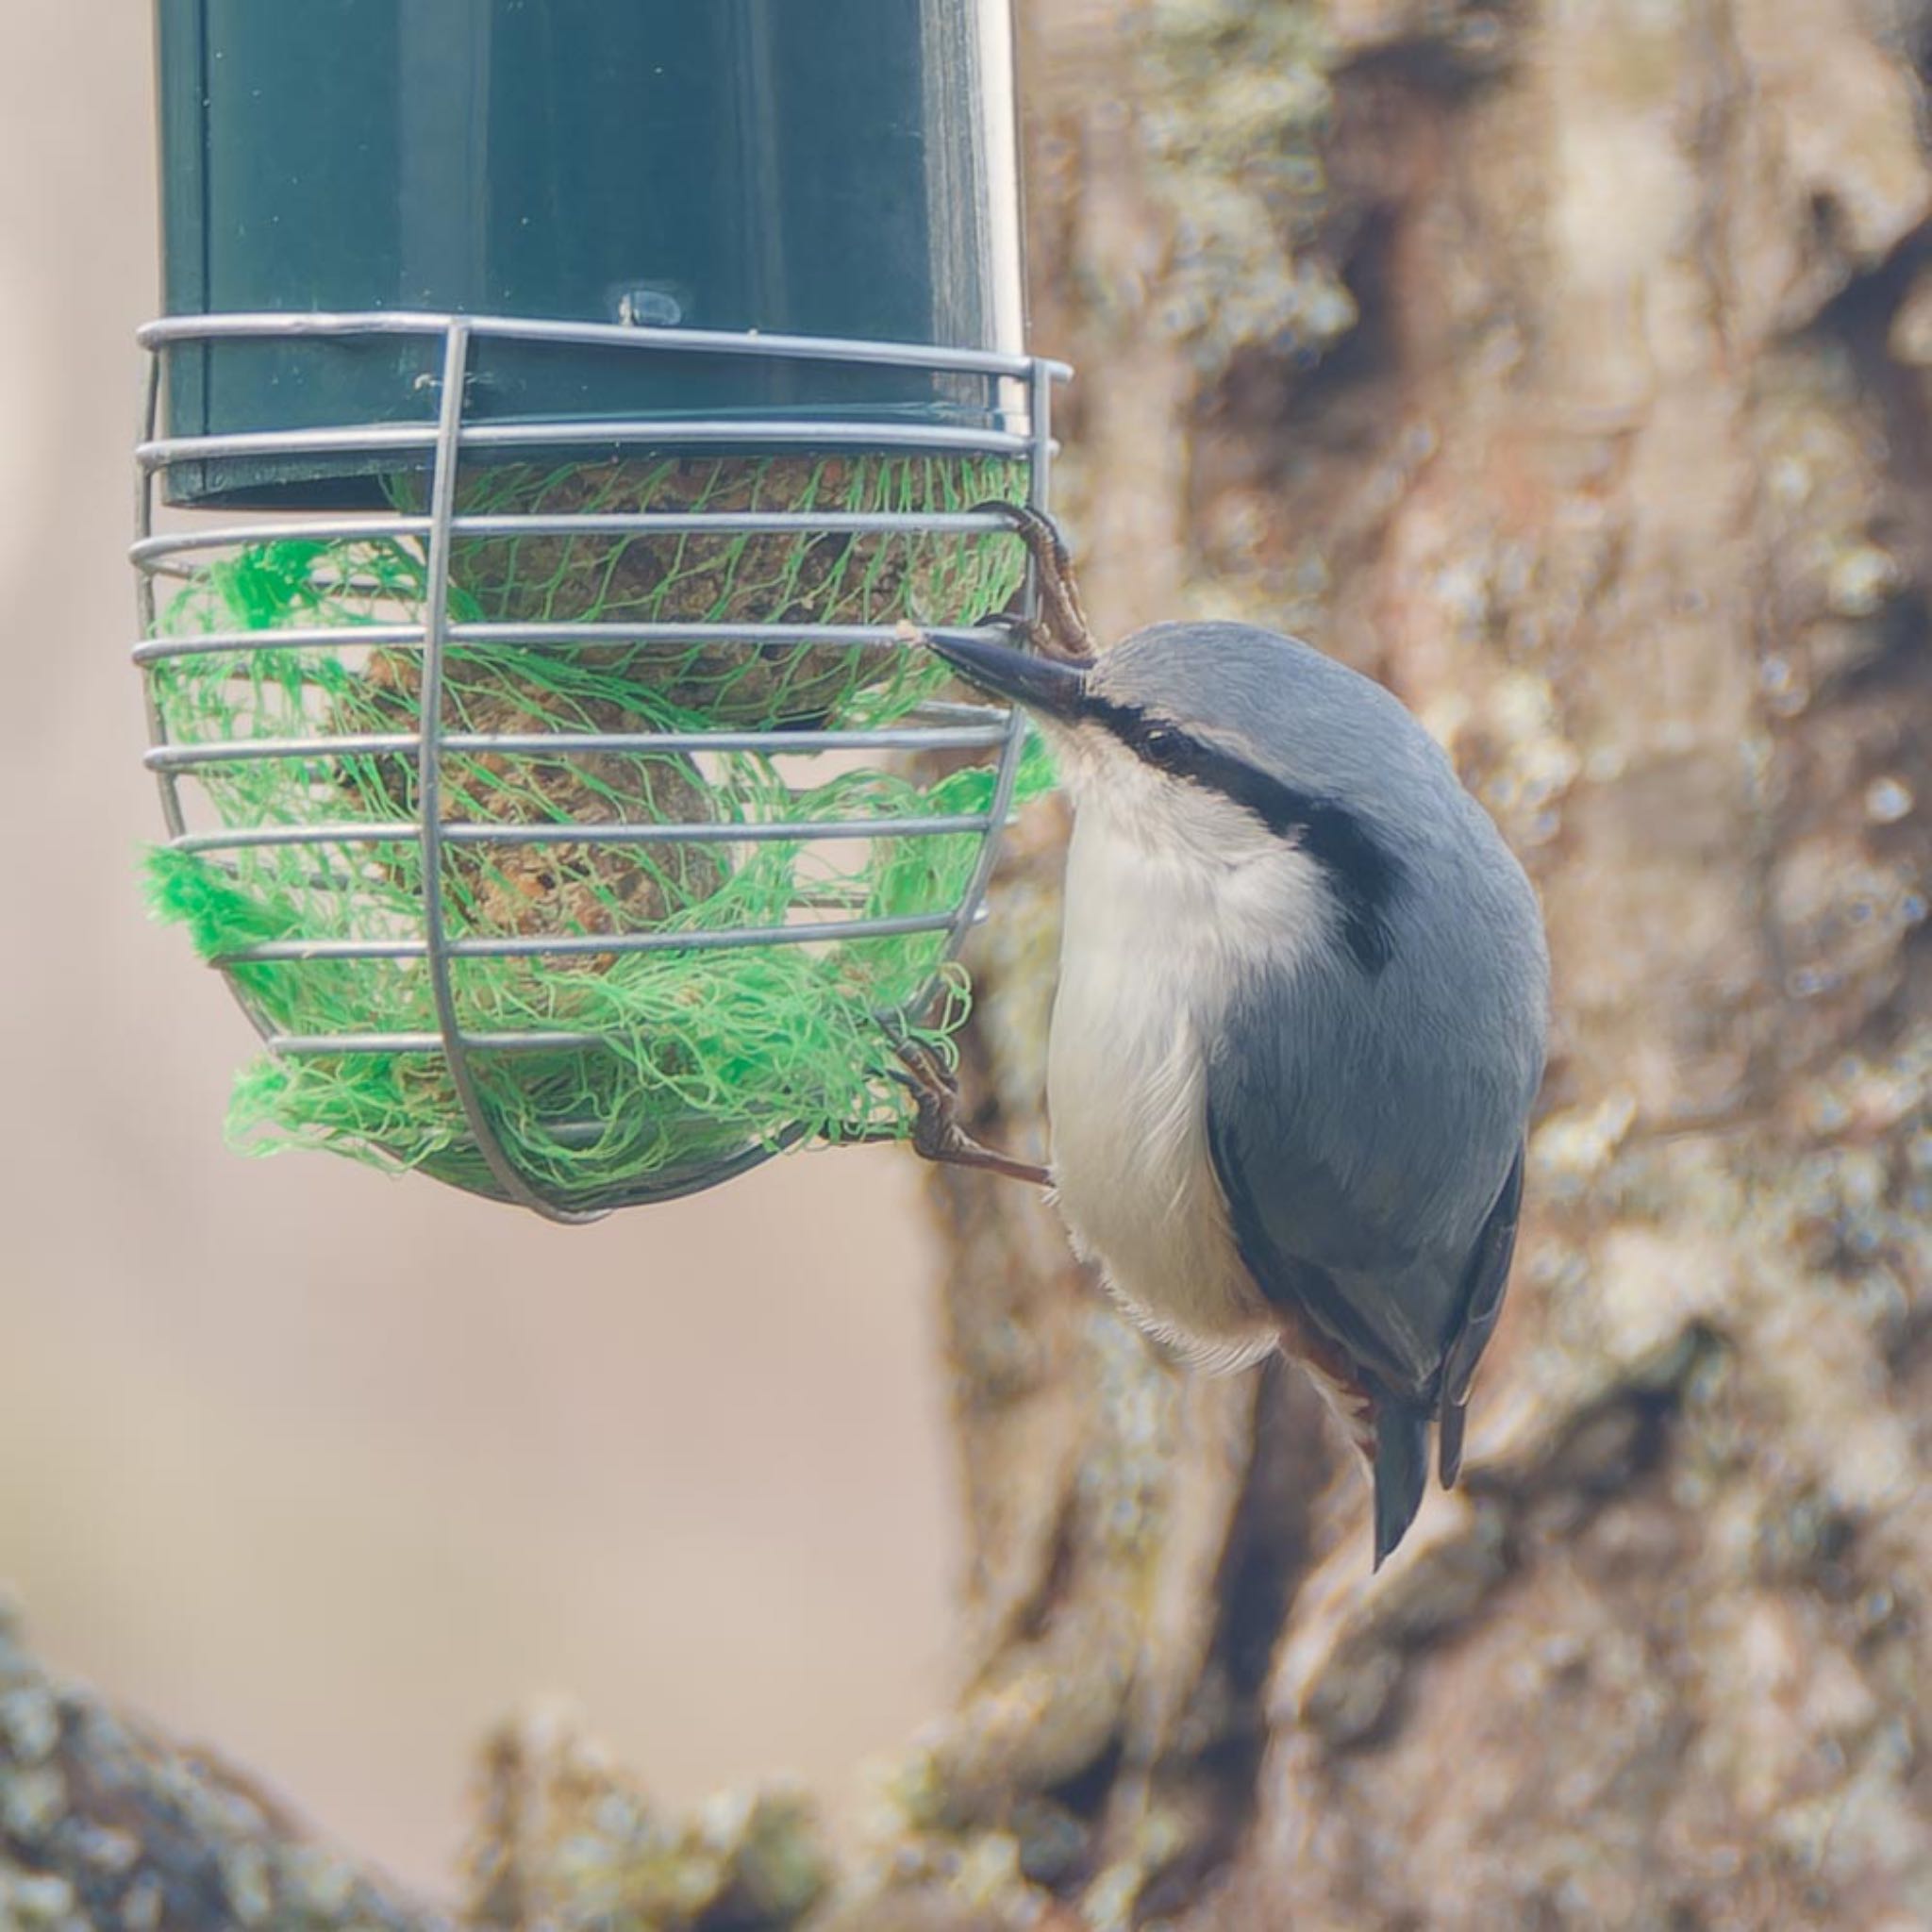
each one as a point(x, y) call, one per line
point(841, 168)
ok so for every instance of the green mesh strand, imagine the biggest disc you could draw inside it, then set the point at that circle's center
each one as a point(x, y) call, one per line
point(699, 1055)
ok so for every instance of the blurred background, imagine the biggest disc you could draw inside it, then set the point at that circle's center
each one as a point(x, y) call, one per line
point(327, 1468)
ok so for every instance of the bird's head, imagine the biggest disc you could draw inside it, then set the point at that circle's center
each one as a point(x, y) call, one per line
point(1222, 744)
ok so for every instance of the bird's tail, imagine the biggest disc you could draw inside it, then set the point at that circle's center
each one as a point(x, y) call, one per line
point(1453, 1420)
point(1401, 1463)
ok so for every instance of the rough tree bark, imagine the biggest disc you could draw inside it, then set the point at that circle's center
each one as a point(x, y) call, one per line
point(1566, 367)
point(1568, 364)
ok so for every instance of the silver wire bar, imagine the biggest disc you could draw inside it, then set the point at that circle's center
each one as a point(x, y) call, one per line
point(442, 496)
point(774, 635)
point(1007, 777)
point(529, 1041)
point(668, 631)
point(145, 606)
point(769, 637)
point(368, 438)
point(339, 637)
point(582, 832)
point(735, 523)
point(747, 523)
point(949, 711)
point(683, 431)
point(311, 530)
point(537, 946)
point(561, 744)
point(168, 330)
point(926, 438)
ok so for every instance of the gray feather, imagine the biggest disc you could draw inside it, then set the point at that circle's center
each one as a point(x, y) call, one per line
point(1363, 1125)
point(1304, 982)
point(1401, 1471)
point(1489, 1277)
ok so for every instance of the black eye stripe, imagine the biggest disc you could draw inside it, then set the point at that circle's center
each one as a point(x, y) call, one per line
point(1365, 875)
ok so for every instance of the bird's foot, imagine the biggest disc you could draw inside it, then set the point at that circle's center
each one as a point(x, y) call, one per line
point(937, 1134)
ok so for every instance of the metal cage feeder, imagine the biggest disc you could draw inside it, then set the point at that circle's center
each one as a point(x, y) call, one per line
point(277, 811)
point(546, 756)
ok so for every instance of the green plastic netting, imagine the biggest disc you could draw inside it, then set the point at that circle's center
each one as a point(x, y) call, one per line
point(677, 1058)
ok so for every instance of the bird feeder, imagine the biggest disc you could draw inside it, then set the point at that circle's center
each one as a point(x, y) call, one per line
point(563, 421)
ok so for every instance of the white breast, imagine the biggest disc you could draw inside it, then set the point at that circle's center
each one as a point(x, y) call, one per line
point(1160, 917)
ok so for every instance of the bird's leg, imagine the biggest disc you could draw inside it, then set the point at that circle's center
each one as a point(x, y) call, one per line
point(937, 1134)
point(1061, 629)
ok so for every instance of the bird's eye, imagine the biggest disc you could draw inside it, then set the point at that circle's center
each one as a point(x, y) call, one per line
point(1161, 743)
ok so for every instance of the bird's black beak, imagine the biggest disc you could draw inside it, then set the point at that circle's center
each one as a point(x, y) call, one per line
point(1051, 685)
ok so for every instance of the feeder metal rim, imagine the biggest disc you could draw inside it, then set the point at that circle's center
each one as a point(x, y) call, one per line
point(167, 331)
point(228, 751)
point(302, 952)
point(659, 431)
point(564, 832)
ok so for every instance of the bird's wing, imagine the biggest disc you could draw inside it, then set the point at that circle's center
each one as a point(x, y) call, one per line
point(1344, 1123)
point(1364, 1140)
point(1281, 1203)
point(1379, 1320)
point(1487, 1280)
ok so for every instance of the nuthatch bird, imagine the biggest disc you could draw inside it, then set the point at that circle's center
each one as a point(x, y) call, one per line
point(1300, 1020)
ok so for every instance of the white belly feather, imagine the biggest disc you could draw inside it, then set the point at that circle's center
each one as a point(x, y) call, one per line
point(1144, 975)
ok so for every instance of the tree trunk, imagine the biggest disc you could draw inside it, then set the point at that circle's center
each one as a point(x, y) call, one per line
point(1567, 366)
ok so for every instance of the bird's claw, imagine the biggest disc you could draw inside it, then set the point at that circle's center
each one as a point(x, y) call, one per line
point(935, 1097)
point(1060, 630)
point(937, 1135)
